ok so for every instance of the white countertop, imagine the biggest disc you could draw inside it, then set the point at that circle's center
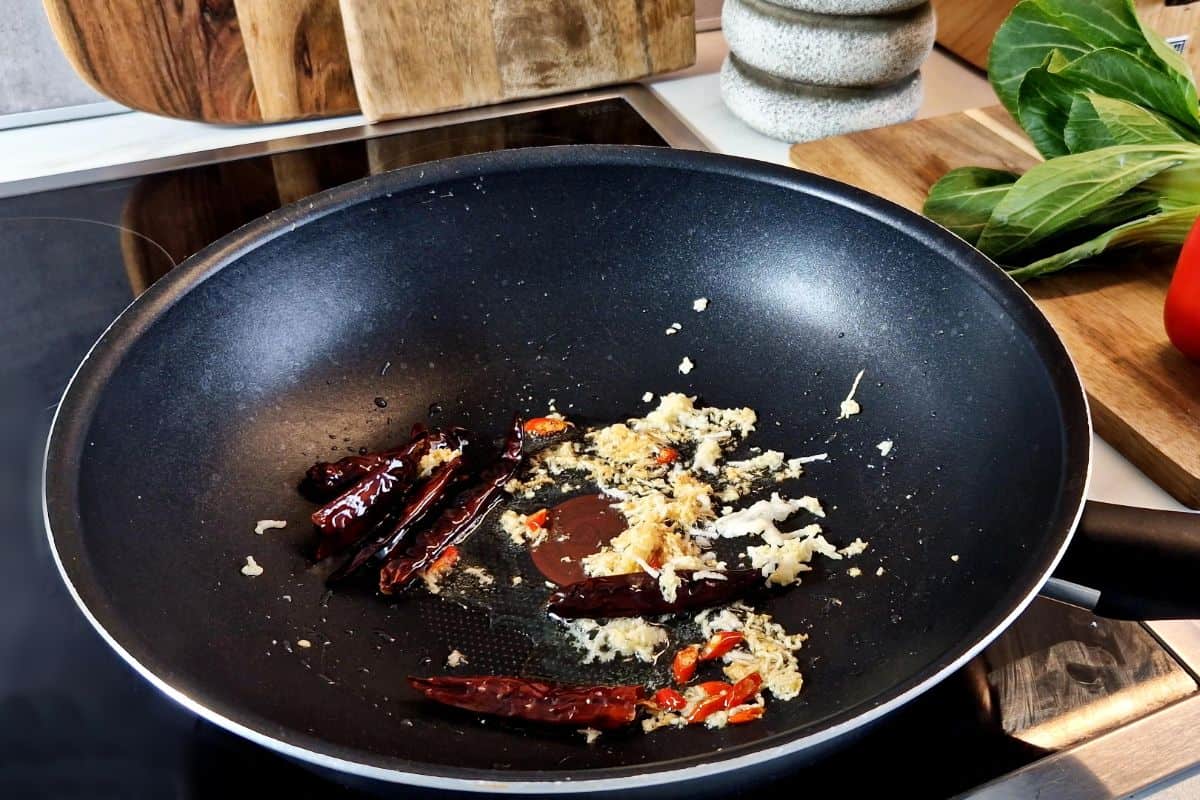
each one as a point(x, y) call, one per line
point(693, 94)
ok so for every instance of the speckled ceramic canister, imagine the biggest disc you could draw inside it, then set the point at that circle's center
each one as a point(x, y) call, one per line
point(800, 70)
point(829, 50)
point(850, 7)
point(795, 112)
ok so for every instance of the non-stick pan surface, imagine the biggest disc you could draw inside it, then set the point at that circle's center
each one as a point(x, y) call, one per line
point(462, 291)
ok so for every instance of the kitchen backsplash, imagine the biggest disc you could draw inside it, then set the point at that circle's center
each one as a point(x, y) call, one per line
point(34, 74)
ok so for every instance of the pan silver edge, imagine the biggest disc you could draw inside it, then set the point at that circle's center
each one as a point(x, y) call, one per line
point(660, 777)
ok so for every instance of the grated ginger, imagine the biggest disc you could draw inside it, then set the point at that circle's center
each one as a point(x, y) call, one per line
point(769, 650)
point(626, 637)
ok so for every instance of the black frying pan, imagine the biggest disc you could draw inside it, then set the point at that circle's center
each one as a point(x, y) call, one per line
point(464, 290)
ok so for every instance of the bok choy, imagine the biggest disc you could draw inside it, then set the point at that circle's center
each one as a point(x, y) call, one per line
point(1113, 109)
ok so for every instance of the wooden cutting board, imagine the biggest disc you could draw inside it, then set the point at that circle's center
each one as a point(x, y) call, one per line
point(1145, 396)
point(245, 61)
point(211, 60)
point(419, 56)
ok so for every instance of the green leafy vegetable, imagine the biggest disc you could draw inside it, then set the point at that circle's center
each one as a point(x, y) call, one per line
point(1064, 192)
point(1114, 110)
point(1075, 28)
point(1167, 228)
point(1046, 93)
point(1096, 121)
point(963, 200)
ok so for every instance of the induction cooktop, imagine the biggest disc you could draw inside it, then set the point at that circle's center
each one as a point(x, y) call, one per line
point(1063, 700)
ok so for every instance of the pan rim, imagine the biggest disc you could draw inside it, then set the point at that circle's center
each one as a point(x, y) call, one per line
point(87, 382)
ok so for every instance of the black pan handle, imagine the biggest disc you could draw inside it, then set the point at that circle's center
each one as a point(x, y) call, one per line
point(1144, 563)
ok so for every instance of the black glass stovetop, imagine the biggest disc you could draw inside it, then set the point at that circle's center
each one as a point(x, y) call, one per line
point(75, 721)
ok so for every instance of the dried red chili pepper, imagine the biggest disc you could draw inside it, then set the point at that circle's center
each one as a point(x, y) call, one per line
point(636, 594)
point(719, 644)
point(457, 521)
point(325, 479)
point(683, 668)
point(669, 699)
point(745, 715)
point(382, 545)
point(347, 514)
point(445, 562)
point(588, 706)
point(744, 689)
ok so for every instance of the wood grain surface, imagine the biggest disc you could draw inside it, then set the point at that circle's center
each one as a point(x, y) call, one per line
point(419, 56)
point(179, 59)
point(229, 61)
point(1059, 675)
point(967, 27)
point(297, 55)
point(1145, 397)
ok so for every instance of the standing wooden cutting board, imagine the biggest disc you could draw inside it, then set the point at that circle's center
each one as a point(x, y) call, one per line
point(1145, 396)
point(417, 56)
point(245, 61)
point(211, 60)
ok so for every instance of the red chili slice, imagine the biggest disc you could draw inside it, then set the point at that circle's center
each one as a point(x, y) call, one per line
point(545, 426)
point(667, 455)
point(683, 668)
point(537, 520)
point(708, 706)
point(669, 699)
point(719, 644)
point(744, 689)
point(746, 715)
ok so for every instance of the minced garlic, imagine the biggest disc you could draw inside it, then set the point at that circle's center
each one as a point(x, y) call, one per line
point(855, 548)
point(849, 407)
point(520, 531)
point(480, 574)
point(626, 637)
point(434, 459)
point(251, 569)
point(590, 735)
point(769, 650)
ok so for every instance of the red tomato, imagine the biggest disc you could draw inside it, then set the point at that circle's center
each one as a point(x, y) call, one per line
point(1181, 314)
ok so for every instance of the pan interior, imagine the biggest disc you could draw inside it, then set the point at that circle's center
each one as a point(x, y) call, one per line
point(460, 298)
